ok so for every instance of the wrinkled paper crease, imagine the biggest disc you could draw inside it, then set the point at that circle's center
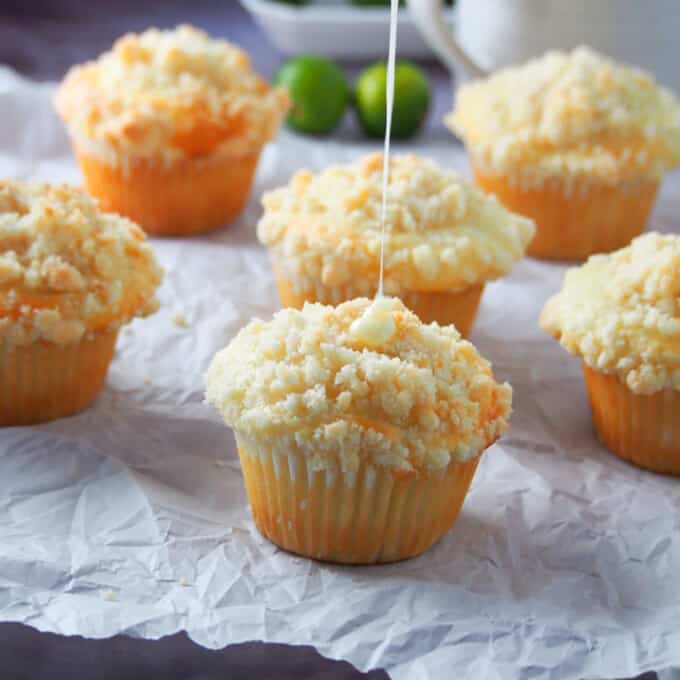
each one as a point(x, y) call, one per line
point(132, 517)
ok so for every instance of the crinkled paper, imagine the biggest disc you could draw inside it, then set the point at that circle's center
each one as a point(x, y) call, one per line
point(132, 516)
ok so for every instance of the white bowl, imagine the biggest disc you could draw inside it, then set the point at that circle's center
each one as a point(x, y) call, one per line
point(338, 30)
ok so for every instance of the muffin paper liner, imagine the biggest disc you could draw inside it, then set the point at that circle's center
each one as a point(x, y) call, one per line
point(459, 308)
point(574, 219)
point(175, 198)
point(642, 429)
point(43, 381)
point(368, 516)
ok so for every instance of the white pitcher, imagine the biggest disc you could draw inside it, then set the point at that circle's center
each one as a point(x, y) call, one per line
point(489, 34)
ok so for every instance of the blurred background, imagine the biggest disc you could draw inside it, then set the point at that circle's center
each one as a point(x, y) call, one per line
point(41, 39)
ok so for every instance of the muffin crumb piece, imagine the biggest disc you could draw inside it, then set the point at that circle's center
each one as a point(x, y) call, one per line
point(180, 320)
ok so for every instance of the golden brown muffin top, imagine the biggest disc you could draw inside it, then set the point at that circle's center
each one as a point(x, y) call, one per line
point(413, 398)
point(170, 94)
point(621, 313)
point(442, 233)
point(66, 268)
point(570, 114)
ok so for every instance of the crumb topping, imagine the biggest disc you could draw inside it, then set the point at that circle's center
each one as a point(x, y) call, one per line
point(174, 93)
point(441, 232)
point(180, 320)
point(66, 268)
point(570, 114)
point(306, 381)
point(621, 313)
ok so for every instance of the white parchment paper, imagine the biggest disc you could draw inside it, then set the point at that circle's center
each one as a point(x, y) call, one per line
point(132, 517)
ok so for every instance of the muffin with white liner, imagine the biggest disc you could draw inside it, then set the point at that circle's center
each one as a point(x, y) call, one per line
point(575, 141)
point(359, 428)
point(168, 127)
point(444, 238)
point(620, 314)
point(70, 277)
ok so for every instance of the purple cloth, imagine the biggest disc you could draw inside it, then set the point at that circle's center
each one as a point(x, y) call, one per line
point(26, 654)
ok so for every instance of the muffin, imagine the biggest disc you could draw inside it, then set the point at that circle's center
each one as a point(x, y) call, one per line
point(359, 428)
point(621, 314)
point(444, 239)
point(574, 141)
point(168, 127)
point(70, 277)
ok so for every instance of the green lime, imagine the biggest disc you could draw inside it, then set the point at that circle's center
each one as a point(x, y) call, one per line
point(411, 99)
point(319, 93)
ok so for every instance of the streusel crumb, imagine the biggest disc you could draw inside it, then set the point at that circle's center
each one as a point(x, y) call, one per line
point(170, 94)
point(306, 381)
point(574, 115)
point(621, 313)
point(67, 268)
point(442, 233)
